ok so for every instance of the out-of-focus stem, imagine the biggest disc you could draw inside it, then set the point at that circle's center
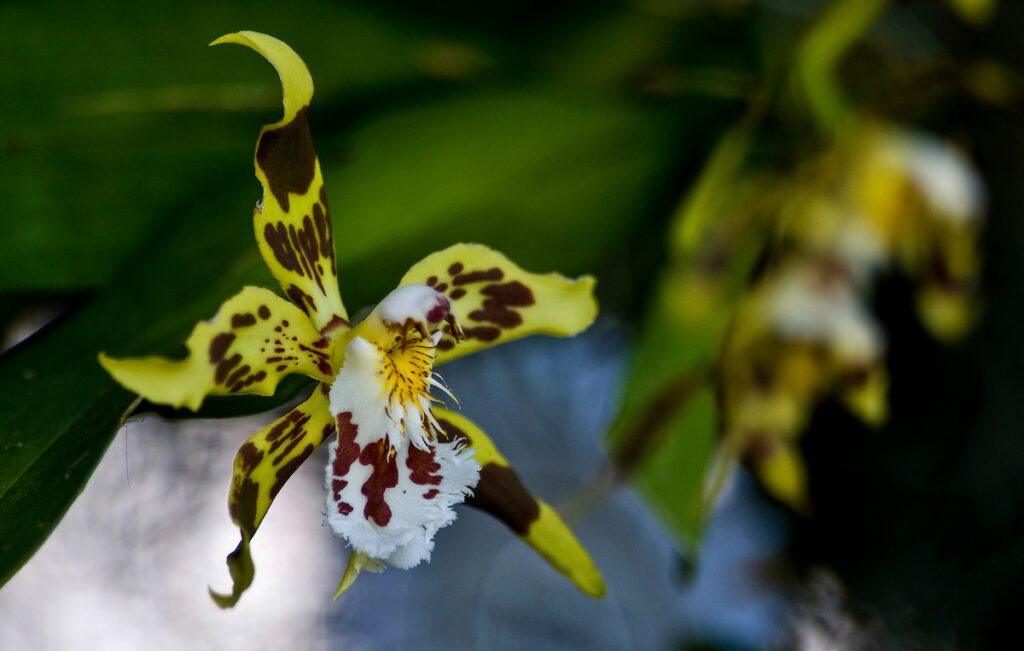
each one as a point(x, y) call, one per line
point(821, 50)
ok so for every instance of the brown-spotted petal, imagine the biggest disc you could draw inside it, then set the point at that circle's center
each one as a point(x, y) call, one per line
point(255, 340)
point(494, 300)
point(262, 466)
point(292, 223)
point(501, 493)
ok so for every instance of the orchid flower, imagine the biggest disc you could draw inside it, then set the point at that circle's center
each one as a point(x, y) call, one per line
point(400, 461)
point(885, 196)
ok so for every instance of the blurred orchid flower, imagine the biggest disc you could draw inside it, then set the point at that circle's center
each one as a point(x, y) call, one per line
point(399, 462)
point(883, 196)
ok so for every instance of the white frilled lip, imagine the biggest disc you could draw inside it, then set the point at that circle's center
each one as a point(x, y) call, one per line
point(391, 483)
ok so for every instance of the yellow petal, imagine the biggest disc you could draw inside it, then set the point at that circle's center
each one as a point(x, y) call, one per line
point(293, 225)
point(352, 570)
point(496, 301)
point(501, 494)
point(948, 315)
point(868, 396)
point(255, 340)
point(357, 562)
point(782, 473)
point(262, 466)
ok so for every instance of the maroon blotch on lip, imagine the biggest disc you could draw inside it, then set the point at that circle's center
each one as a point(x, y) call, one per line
point(383, 476)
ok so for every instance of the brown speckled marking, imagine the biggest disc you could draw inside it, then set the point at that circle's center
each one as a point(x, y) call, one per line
point(423, 467)
point(325, 234)
point(221, 374)
point(494, 273)
point(237, 374)
point(497, 310)
point(502, 494)
point(242, 505)
point(335, 323)
point(483, 333)
point(300, 250)
point(286, 155)
point(344, 456)
point(303, 300)
point(383, 476)
point(244, 383)
point(321, 358)
point(500, 298)
point(285, 471)
point(243, 320)
point(248, 456)
point(264, 312)
point(280, 244)
point(288, 433)
point(219, 346)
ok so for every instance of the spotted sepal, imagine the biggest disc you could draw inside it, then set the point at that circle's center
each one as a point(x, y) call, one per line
point(501, 494)
point(496, 301)
point(255, 340)
point(292, 223)
point(262, 466)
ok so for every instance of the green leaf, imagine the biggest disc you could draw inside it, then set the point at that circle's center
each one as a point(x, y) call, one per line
point(667, 425)
point(665, 432)
point(672, 480)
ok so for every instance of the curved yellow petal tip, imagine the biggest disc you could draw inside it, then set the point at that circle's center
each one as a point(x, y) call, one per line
point(242, 572)
point(296, 81)
point(784, 476)
point(351, 573)
point(554, 541)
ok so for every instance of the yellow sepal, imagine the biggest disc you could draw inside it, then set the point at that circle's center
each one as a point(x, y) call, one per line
point(292, 224)
point(357, 562)
point(296, 81)
point(496, 301)
point(262, 466)
point(255, 340)
point(352, 570)
point(869, 398)
point(501, 494)
point(783, 475)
